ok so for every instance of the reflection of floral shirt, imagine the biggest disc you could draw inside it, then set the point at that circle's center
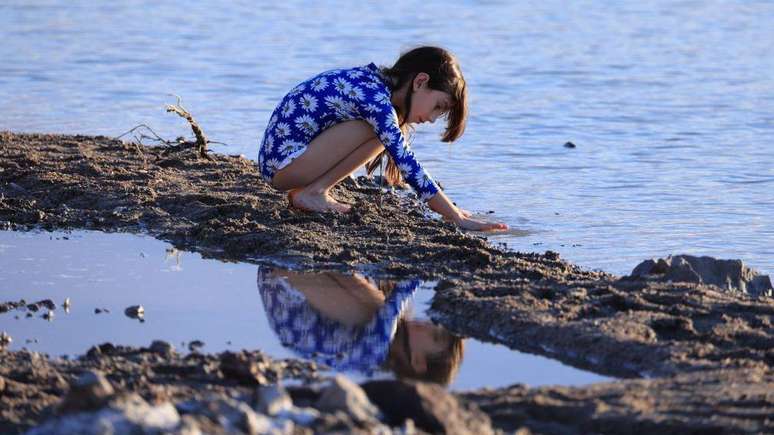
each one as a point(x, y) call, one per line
point(328, 99)
point(312, 336)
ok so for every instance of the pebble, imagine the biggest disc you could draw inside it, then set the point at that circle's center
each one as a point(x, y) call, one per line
point(5, 339)
point(89, 391)
point(49, 315)
point(569, 145)
point(66, 305)
point(345, 395)
point(162, 347)
point(195, 345)
point(135, 312)
point(273, 400)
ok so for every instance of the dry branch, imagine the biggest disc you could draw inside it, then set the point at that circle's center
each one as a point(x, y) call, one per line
point(201, 139)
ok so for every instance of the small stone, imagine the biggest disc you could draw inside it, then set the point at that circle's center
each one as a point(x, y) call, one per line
point(102, 349)
point(569, 145)
point(90, 391)
point(272, 400)
point(195, 345)
point(344, 395)
point(243, 368)
point(5, 339)
point(66, 305)
point(430, 406)
point(162, 347)
point(135, 312)
point(49, 315)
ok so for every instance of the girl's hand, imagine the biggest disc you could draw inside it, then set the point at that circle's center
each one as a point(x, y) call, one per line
point(473, 224)
point(464, 213)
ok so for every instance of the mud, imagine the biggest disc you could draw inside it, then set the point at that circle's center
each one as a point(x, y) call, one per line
point(710, 352)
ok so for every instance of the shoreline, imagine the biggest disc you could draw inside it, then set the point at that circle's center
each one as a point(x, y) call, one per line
point(683, 337)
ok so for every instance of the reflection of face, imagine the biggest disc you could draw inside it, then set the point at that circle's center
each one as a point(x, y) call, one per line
point(425, 340)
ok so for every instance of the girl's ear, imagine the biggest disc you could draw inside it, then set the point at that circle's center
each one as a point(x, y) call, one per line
point(420, 80)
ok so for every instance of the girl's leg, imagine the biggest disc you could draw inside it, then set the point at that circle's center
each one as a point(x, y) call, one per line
point(329, 158)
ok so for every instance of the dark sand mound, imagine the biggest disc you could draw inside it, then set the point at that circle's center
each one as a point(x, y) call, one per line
point(534, 302)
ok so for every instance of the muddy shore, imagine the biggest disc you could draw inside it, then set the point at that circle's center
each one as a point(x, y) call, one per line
point(701, 358)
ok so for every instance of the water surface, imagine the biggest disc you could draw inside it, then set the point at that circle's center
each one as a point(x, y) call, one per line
point(670, 103)
point(188, 298)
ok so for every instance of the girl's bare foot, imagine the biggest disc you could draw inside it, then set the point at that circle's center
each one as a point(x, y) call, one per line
point(306, 199)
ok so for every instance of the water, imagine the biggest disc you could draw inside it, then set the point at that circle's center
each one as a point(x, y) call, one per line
point(670, 103)
point(188, 298)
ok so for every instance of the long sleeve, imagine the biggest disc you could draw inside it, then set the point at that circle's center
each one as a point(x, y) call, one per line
point(385, 124)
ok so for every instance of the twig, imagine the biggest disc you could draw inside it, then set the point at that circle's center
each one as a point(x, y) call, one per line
point(155, 135)
point(201, 139)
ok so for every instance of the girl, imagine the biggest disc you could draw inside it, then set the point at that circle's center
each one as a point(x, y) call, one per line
point(331, 124)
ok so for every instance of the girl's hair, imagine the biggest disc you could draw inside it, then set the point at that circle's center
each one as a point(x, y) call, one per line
point(446, 76)
point(442, 367)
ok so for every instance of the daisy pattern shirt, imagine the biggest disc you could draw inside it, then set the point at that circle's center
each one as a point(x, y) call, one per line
point(332, 97)
point(312, 336)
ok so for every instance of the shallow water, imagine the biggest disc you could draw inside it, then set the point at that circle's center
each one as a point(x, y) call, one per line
point(670, 103)
point(188, 298)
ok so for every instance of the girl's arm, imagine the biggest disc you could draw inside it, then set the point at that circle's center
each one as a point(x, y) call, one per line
point(441, 204)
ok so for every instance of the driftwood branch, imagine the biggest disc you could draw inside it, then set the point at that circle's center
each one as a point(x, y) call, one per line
point(140, 136)
point(201, 139)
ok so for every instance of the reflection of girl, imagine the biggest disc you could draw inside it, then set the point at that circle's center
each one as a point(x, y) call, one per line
point(348, 323)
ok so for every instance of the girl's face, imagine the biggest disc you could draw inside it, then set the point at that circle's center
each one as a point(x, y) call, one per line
point(427, 104)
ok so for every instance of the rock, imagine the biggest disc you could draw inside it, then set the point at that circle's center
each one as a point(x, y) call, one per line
point(45, 303)
point(731, 275)
point(48, 315)
point(135, 312)
point(101, 310)
point(233, 415)
point(344, 395)
point(124, 414)
point(432, 408)
point(569, 145)
point(90, 391)
point(243, 368)
point(5, 339)
point(272, 400)
point(275, 401)
point(66, 305)
point(2, 384)
point(8, 306)
point(162, 347)
point(195, 345)
point(300, 416)
point(102, 349)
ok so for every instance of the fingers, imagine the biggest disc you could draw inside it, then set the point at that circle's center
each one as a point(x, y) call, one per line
point(477, 225)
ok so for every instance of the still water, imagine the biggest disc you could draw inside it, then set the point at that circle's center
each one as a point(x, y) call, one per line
point(670, 103)
point(348, 322)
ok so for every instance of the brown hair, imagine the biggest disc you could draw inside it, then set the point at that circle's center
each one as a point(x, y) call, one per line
point(441, 367)
point(446, 76)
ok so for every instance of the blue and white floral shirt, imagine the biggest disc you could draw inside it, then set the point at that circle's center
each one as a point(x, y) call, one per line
point(332, 97)
point(312, 336)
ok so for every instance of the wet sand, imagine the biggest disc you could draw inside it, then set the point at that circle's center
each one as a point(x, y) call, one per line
point(706, 355)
